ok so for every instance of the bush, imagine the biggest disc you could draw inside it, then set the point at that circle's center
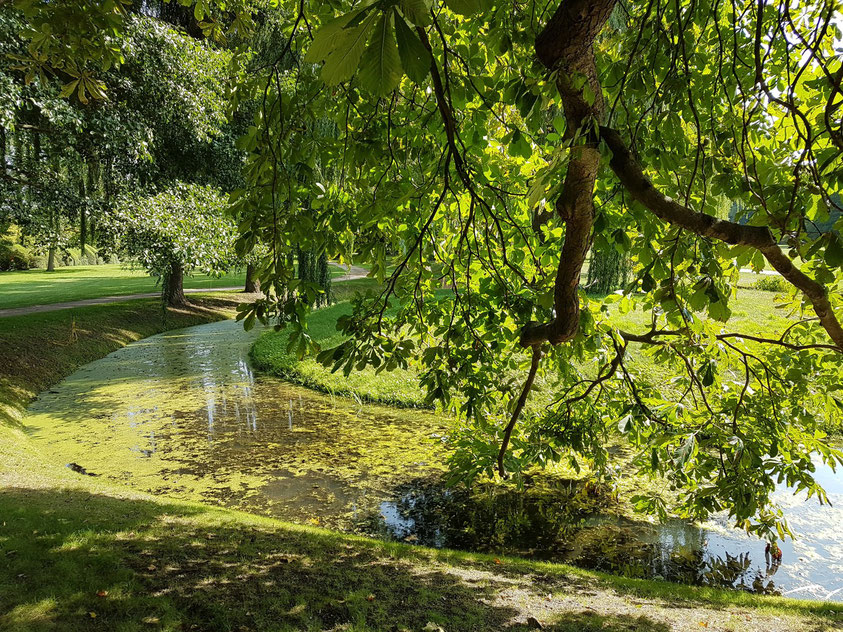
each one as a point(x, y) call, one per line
point(75, 257)
point(15, 257)
point(772, 283)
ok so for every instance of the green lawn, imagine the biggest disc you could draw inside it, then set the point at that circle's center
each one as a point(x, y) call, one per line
point(73, 283)
point(753, 311)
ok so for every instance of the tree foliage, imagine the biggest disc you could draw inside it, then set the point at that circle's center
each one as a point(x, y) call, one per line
point(486, 146)
point(184, 225)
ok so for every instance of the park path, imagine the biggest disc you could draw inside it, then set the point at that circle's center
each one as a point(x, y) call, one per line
point(354, 272)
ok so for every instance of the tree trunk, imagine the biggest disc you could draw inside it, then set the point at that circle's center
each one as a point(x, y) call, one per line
point(51, 259)
point(608, 271)
point(83, 225)
point(324, 279)
point(2, 150)
point(174, 286)
point(253, 284)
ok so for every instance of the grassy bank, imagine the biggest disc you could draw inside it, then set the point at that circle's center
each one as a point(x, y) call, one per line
point(270, 355)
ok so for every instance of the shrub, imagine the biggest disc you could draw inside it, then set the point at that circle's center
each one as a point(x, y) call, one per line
point(772, 283)
point(15, 257)
point(75, 257)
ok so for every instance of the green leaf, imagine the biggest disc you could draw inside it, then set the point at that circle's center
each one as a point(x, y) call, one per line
point(687, 450)
point(464, 7)
point(707, 374)
point(416, 11)
point(519, 145)
point(325, 39)
point(415, 58)
point(834, 252)
point(68, 88)
point(380, 68)
point(349, 44)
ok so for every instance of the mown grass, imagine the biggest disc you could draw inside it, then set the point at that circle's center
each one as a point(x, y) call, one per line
point(73, 283)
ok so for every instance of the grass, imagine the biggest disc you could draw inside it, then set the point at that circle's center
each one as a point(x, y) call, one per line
point(77, 553)
point(73, 283)
point(80, 555)
point(269, 354)
point(753, 311)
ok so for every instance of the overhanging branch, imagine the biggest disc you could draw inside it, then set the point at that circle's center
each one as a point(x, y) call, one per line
point(631, 175)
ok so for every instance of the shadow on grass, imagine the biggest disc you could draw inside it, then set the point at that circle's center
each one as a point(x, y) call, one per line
point(74, 560)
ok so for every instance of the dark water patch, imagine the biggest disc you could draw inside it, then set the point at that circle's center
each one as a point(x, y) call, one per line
point(560, 521)
point(572, 522)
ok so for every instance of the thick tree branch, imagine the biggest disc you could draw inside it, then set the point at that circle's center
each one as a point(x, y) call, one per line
point(565, 46)
point(631, 175)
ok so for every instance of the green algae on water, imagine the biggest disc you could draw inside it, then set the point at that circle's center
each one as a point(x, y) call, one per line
point(181, 414)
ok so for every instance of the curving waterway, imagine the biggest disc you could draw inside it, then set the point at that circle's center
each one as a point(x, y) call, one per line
point(181, 414)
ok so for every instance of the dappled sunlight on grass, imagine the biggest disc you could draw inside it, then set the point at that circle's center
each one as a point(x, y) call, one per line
point(80, 560)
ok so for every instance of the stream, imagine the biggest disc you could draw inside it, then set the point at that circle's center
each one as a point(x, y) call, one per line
point(182, 415)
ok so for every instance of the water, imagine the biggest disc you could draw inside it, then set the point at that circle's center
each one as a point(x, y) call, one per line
point(182, 414)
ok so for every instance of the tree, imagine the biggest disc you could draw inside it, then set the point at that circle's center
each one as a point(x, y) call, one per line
point(497, 173)
point(176, 232)
point(488, 145)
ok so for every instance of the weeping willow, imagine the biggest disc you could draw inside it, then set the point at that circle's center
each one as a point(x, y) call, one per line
point(608, 270)
point(314, 268)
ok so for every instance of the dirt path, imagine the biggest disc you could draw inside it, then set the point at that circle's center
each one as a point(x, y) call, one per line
point(354, 272)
